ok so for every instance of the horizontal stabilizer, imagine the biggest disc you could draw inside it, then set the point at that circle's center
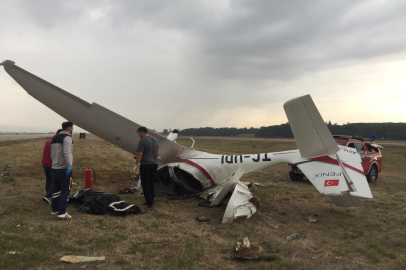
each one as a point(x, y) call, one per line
point(312, 135)
point(94, 118)
point(325, 174)
point(338, 176)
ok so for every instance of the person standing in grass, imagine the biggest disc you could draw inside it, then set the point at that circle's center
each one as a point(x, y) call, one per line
point(147, 162)
point(62, 159)
point(47, 164)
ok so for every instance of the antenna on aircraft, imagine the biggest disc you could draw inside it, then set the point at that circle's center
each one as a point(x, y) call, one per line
point(192, 143)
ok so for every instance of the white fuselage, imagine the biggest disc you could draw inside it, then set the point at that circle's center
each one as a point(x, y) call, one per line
point(211, 169)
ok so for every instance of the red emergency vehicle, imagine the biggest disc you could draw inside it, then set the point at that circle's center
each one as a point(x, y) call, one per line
point(370, 153)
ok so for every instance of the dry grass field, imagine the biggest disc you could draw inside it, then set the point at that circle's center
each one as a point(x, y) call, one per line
point(168, 237)
point(23, 136)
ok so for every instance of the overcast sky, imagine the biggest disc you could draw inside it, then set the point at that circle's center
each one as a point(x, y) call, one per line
point(181, 64)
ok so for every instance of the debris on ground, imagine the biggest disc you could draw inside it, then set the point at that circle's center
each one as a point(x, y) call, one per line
point(252, 185)
point(241, 204)
point(13, 252)
point(292, 236)
point(79, 259)
point(160, 189)
point(243, 250)
point(18, 226)
point(208, 204)
point(6, 169)
point(311, 219)
point(137, 189)
point(266, 219)
point(127, 190)
point(202, 219)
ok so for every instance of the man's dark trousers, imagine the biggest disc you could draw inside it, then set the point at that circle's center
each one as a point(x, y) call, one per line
point(148, 174)
point(49, 180)
point(62, 186)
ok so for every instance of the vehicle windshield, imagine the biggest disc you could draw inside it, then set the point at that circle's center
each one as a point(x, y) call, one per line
point(372, 148)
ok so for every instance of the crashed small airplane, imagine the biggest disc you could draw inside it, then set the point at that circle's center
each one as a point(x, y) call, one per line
point(334, 170)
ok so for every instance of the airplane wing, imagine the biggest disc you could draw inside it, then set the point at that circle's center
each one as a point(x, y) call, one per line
point(92, 117)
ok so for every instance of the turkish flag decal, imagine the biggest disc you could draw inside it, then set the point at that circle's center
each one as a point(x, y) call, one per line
point(330, 183)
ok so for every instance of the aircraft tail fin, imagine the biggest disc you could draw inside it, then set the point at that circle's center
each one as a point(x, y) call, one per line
point(336, 172)
point(310, 131)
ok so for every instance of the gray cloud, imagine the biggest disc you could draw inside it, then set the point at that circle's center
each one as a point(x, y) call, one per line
point(49, 13)
point(200, 57)
point(254, 40)
point(277, 40)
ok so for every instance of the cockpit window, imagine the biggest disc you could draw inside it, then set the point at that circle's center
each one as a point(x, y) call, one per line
point(341, 143)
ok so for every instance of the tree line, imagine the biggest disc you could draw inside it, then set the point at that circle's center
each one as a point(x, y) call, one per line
point(389, 131)
point(209, 131)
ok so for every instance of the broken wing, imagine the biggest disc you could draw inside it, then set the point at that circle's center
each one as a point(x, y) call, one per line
point(92, 117)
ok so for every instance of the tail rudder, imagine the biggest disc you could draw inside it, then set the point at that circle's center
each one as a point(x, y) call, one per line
point(311, 133)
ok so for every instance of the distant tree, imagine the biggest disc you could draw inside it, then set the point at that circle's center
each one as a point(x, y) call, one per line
point(395, 131)
point(379, 130)
point(209, 131)
point(165, 132)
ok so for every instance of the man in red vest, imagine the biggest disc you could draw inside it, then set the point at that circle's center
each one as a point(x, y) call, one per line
point(47, 164)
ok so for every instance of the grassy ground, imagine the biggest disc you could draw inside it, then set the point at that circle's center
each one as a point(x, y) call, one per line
point(168, 237)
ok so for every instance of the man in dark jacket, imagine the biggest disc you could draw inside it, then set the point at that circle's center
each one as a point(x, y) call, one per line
point(62, 159)
point(147, 155)
point(47, 164)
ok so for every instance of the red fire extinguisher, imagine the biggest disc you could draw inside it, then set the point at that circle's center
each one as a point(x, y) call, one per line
point(89, 178)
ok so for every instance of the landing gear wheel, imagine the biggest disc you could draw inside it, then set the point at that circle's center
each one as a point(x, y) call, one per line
point(372, 175)
point(296, 176)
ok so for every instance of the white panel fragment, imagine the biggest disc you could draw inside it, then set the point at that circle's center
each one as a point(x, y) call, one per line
point(228, 185)
point(216, 194)
point(239, 204)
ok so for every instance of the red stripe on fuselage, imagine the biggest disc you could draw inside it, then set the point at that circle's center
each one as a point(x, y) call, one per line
point(330, 160)
point(200, 168)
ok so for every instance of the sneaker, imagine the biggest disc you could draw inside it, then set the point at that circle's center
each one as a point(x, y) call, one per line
point(65, 216)
point(54, 213)
point(46, 199)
